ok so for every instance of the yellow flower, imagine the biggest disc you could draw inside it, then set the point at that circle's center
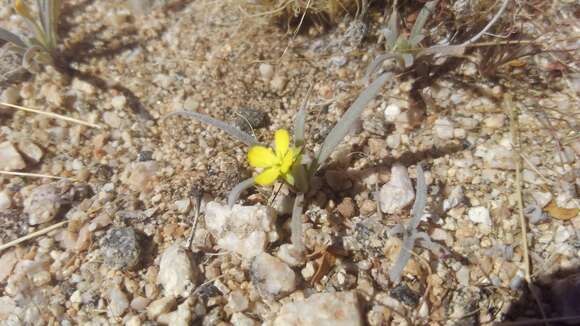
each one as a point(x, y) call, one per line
point(276, 163)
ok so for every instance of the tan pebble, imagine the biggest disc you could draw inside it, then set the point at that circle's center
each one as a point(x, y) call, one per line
point(368, 207)
point(347, 208)
point(10, 159)
point(160, 306)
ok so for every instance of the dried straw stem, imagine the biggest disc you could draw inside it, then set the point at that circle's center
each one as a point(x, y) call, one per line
point(516, 142)
point(32, 235)
point(50, 114)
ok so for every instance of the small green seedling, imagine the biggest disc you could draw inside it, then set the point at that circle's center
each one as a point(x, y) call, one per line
point(42, 45)
point(286, 160)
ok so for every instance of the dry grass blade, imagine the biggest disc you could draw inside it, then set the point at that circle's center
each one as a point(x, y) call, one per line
point(52, 115)
point(514, 126)
point(34, 175)
point(32, 235)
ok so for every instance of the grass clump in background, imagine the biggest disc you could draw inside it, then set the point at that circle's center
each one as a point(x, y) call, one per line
point(291, 11)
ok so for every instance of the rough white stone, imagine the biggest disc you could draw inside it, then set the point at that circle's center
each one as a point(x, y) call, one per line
point(10, 159)
point(494, 121)
point(391, 112)
point(497, 157)
point(180, 317)
point(160, 306)
point(290, 255)
point(239, 319)
point(398, 192)
point(30, 150)
point(443, 128)
point(42, 204)
point(479, 215)
point(118, 102)
point(112, 119)
point(266, 71)
point(562, 234)
point(454, 199)
point(5, 200)
point(177, 275)
point(7, 262)
point(183, 205)
point(237, 301)
point(118, 302)
point(463, 276)
point(272, 276)
point(322, 309)
point(245, 230)
point(542, 198)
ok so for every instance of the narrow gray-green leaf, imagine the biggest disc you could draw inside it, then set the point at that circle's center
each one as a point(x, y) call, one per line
point(392, 31)
point(300, 121)
point(229, 129)
point(344, 125)
point(8, 36)
point(420, 199)
point(374, 65)
point(42, 7)
point(235, 193)
point(296, 223)
point(421, 20)
point(300, 126)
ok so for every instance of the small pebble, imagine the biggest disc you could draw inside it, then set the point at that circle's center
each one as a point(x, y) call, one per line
point(398, 192)
point(118, 302)
point(176, 272)
point(10, 159)
point(121, 248)
point(479, 215)
point(266, 71)
point(118, 102)
point(5, 200)
point(160, 306)
point(272, 276)
point(444, 128)
point(391, 112)
point(42, 204)
point(322, 309)
point(30, 150)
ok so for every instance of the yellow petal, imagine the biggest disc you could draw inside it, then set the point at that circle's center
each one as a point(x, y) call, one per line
point(22, 9)
point(289, 178)
point(281, 142)
point(287, 162)
point(268, 177)
point(261, 157)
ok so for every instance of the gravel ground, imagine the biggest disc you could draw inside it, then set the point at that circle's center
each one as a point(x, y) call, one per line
point(125, 194)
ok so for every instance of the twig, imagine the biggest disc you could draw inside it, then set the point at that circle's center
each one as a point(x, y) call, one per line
point(197, 195)
point(52, 115)
point(514, 126)
point(32, 235)
point(489, 25)
point(34, 175)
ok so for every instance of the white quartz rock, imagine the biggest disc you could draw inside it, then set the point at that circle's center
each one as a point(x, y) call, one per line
point(322, 309)
point(272, 276)
point(245, 230)
point(479, 215)
point(177, 274)
point(398, 192)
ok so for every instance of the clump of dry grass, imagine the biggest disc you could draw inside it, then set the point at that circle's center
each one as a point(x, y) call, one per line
point(289, 11)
